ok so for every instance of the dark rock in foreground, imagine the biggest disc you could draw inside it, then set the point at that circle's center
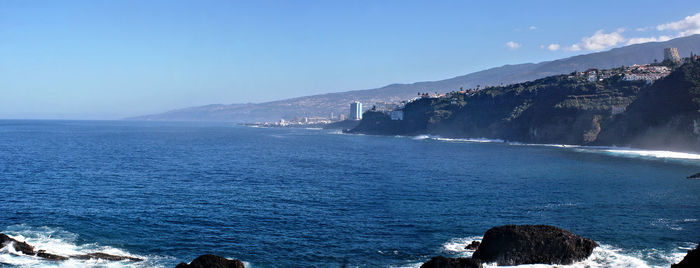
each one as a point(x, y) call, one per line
point(692, 259)
point(694, 176)
point(27, 249)
point(532, 244)
point(473, 246)
point(19, 246)
point(442, 262)
point(211, 261)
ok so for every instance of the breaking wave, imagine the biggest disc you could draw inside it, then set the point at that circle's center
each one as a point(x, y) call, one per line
point(602, 256)
point(466, 140)
point(458, 246)
point(477, 140)
point(421, 137)
point(608, 150)
point(651, 154)
point(60, 242)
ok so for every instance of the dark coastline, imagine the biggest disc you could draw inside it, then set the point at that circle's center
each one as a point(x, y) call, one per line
point(561, 110)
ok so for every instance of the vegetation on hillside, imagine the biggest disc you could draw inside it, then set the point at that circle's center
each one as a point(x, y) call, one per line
point(566, 109)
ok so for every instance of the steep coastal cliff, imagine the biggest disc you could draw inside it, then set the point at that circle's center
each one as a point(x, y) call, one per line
point(664, 115)
point(564, 109)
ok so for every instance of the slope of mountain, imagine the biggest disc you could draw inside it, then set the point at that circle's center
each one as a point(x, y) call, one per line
point(337, 103)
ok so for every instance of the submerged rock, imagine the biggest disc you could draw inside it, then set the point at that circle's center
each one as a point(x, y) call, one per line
point(49, 256)
point(211, 261)
point(442, 262)
point(694, 176)
point(104, 256)
point(692, 259)
point(531, 244)
point(19, 246)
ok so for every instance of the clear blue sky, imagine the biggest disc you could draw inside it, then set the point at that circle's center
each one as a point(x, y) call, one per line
point(111, 59)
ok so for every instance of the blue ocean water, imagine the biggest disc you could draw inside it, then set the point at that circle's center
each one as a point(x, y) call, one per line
point(168, 192)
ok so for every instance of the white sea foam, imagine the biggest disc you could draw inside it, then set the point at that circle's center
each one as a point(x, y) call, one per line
point(544, 144)
point(421, 137)
point(602, 256)
point(652, 154)
point(458, 246)
point(621, 152)
point(475, 140)
point(667, 224)
point(57, 241)
point(609, 150)
point(465, 140)
point(407, 265)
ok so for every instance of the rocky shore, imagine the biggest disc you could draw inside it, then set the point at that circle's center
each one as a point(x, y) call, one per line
point(503, 245)
point(692, 259)
point(26, 249)
point(522, 244)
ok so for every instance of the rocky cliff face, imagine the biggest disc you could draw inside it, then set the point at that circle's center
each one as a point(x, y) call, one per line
point(664, 116)
point(564, 109)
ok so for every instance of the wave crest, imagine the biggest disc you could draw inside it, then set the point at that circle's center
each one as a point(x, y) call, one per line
point(602, 256)
point(64, 243)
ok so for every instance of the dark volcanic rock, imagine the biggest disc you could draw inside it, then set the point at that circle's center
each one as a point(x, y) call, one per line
point(442, 262)
point(692, 259)
point(104, 256)
point(29, 250)
point(19, 246)
point(49, 256)
point(473, 246)
point(694, 176)
point(531, 244)
point(211, 261)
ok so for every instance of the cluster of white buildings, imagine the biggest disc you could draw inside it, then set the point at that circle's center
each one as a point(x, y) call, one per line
point(647, 72)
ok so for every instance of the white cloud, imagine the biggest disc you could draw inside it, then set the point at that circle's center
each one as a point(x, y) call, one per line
point(599, 41)
point(639, 40)
point(688, 26)
point(532, 28)
point(513, 45)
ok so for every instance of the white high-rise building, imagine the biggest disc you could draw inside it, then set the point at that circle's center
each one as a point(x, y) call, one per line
point(356, 110)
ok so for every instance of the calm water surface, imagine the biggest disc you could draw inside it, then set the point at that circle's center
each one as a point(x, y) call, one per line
point(169, 192)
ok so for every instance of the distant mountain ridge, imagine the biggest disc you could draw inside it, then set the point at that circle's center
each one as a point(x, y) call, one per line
point(337, 103)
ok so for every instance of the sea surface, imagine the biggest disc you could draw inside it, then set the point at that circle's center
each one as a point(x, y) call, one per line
point(274, 197)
